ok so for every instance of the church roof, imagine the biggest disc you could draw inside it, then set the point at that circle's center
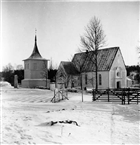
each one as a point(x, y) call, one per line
point(69, 68)
point(35, 54)
point(105, 58)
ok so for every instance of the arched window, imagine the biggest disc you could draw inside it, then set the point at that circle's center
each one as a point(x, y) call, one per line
point(118, 72)
point(100, 79)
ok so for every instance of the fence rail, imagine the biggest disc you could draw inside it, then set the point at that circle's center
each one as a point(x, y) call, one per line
point(125, 95)
point(59, 94)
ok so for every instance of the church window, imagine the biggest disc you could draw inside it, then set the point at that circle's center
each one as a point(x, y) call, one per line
point(100, 79)
point(118, 74)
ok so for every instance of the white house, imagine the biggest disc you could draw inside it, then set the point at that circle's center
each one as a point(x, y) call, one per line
point(111, 69)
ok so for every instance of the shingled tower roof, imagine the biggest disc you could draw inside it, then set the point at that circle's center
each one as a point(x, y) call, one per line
point(35, 53)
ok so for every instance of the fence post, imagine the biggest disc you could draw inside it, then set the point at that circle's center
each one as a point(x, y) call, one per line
point(128, 95)
point(62, 94)
point(54, 96)
point(108, 94)
point(59, 93)
point(122, 99)
point(137, 98)
point(66, 93)
point(93, 94)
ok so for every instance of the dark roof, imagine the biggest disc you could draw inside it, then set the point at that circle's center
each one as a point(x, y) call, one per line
point(105, 58)
point(69, 68)
point(35, 54)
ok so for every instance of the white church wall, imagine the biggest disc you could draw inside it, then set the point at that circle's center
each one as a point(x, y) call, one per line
point(113, 78)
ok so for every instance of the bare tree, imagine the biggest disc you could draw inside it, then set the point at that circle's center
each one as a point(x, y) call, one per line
point(8, 73)
point(93, 39)
point(19, 67)
point(79, 62)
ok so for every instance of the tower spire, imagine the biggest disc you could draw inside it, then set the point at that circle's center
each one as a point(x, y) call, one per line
point(35, 53)
point(35, 31)
point(35, 35)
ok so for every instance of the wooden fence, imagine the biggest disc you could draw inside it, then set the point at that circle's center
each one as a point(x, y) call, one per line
point(125, 95)
point(59, 94)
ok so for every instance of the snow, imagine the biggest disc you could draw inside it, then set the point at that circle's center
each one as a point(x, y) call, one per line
point(5, 84)
point(26, 116)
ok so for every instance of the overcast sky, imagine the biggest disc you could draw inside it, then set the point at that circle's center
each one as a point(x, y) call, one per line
point(59, 27)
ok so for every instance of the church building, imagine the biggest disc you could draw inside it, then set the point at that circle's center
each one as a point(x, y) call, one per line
point(35, 70)
point(81, 70)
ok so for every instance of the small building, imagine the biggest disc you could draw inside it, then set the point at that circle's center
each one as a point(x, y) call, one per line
point(67, 75)
point(35, 70)
point(111, 69)
point(129, 82)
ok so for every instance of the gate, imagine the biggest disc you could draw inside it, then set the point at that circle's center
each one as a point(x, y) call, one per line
point(125, 95)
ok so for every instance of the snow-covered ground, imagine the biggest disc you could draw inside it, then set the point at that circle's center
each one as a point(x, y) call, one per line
point(27, 113)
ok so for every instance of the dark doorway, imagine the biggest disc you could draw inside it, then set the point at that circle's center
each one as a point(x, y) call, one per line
point(118, 85)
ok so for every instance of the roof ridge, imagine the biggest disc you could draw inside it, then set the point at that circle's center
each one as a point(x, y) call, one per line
point(65, 61)
point(117, 47)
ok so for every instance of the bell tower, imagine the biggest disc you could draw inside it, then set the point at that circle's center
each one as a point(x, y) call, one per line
point(35, 69)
